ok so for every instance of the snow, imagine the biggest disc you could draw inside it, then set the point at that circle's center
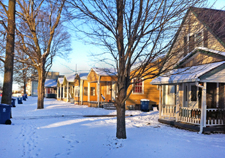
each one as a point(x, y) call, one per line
point(61, 80)
point(70, 78)
point(61, 131)
point(105, 71)
point(187, 74)
point(50, 83)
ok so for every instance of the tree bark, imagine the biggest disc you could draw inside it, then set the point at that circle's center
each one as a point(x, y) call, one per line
point(41, 82)
point(121, 124)
point(8, 71)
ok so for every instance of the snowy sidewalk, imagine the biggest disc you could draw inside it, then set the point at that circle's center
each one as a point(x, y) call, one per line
point(61, 131)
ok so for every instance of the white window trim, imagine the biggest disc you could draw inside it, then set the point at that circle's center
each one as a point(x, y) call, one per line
point(142, 88)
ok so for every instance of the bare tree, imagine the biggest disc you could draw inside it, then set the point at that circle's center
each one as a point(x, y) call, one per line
point(134, 34)
point(9, 56)
point(42, 36)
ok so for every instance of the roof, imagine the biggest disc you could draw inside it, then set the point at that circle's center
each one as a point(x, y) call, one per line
point(83, 76)
point(50, 83)
point(213, 20)
point(202, 49)
point(70, 78)
point(60, 80)
point(105, 71)
point(187, 74)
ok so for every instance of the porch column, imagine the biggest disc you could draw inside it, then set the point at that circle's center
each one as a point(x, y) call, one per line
point(160, 100)
point(217, 94)
point(67, 91)
point(98, 91)
point(203, 108)
point(60, 91)
point(89, 90)
point(177, 102)
point(57, 93)
point(81, 91)
point(63, 91)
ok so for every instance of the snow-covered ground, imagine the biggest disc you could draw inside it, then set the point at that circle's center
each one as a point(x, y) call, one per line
point(61, 131)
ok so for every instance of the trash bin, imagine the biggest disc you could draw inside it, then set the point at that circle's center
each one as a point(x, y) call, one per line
point(13, 102)
point(19, 100)
point(24, 98)
point(144, 105)
point(72, 100)
point(5, 111)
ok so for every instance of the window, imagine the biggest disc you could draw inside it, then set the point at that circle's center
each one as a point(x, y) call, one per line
point(138, 86)
point(193, 93)
point(92, 91)
point(192, 41)
point(77, 91)
point(85, 91)
point(169, 97)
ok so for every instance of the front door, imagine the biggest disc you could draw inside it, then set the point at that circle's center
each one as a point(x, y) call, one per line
point(186, 92)
point(193, 91)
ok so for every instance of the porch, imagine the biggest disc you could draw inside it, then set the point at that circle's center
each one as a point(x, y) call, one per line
point(193, 106)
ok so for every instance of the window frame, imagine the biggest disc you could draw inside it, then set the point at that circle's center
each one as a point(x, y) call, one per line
point(142, 86)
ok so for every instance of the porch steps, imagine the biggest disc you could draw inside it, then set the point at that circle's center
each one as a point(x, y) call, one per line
point(109, 106)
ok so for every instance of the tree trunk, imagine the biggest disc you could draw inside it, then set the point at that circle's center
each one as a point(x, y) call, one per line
point(8, 71)
point(24, 85)
point(41, 82)
point(121, 124)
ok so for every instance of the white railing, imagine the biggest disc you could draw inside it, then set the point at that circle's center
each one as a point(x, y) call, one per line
point(190, 115)
point(214, 117)
point(168, 111)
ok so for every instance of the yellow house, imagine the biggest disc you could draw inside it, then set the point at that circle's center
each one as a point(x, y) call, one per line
point(192, 95)
point(99, 86)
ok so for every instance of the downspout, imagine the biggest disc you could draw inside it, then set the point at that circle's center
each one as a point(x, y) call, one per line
point(201, 124)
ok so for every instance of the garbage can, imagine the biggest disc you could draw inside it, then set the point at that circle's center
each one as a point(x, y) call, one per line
point(24, 98)
point(72, 100)
point(13, 102)
point(19, 100)
point(144, 105)
point(5, 111)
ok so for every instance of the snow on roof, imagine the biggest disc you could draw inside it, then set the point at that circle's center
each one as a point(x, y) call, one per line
point(70, 78)
point(83, 76)
point(187, 74)
point(60, 80)
point(201, 48)
point(50, 83)
point(105, 71)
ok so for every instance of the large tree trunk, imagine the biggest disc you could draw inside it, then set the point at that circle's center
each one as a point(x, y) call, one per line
point(41, 82)
point(8, 71)
point(121, 124)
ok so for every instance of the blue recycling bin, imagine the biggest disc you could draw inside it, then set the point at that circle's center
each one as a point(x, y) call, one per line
point(5, 111)
point(24, 98)
point(19, 100)
point(13, 102)
point(144, 105)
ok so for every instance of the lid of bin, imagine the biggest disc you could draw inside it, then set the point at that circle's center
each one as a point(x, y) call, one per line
point(5, 105)
point(144, 100)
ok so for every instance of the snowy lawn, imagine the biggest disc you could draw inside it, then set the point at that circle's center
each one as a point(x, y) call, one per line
point(61, 131)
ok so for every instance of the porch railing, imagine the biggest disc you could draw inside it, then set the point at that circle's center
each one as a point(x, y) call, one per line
point(190, 115)
point(168, 111)
point(214, 117)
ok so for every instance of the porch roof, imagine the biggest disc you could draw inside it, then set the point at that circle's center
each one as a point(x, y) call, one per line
point(71, 78)
point(105, 71)
point(187, 74)
point(50, 83)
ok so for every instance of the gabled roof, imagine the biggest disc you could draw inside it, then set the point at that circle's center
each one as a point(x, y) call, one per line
point(61, 79)
point(83, 76)
point(70, 78)
point(187, 74)
point(50, 83)
point(201, 49)
point(213, 20)
point(105, 71)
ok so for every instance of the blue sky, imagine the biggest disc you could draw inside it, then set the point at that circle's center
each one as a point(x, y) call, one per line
point(80, 55)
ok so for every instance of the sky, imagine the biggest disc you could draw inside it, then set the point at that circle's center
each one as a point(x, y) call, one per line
point(80, 59)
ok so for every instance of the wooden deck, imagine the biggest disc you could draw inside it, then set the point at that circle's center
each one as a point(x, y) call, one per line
point(192, 127)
